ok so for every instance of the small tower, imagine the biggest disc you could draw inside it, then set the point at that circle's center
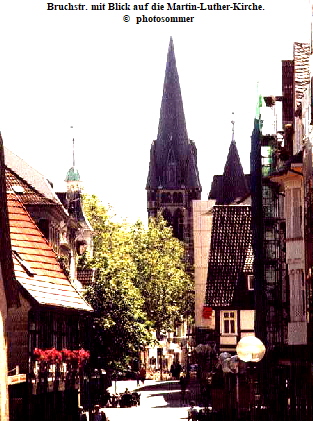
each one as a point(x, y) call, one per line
point(173, 179)
point(72, 178)
point(232, 185)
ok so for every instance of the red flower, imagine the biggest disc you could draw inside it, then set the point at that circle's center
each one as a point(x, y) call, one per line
point(53, 356)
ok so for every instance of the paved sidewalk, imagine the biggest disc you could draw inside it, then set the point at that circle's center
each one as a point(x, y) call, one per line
point(119, 386)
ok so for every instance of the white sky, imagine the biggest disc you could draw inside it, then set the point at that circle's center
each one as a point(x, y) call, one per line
point(91, 70)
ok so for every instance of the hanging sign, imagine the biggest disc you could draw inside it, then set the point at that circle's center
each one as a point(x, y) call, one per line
point(207, 312)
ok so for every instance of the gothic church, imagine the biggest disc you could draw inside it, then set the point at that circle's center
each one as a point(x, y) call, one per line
point(173, 179)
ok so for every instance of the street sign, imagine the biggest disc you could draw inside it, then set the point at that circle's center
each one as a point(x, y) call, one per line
point(16, 379)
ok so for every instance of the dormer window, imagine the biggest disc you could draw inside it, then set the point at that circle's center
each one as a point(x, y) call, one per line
point(250, 282)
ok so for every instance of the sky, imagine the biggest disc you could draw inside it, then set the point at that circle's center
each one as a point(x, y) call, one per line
point(102, 76)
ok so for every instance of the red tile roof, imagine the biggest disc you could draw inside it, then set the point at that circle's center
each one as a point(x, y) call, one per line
point(35, 263)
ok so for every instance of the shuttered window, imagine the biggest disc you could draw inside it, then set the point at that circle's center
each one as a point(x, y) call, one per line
point(293, 213)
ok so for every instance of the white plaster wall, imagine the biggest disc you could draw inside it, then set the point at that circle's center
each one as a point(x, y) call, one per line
point(247, 319)
point(228, 340)
point(4, 400)
point(202, 227)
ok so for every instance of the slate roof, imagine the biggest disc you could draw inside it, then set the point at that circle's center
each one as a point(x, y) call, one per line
point(229, 252)
point(30, 175)
point(217, 184)
point(172, 145)
point(232, 185)
point(35, 263)
point(27, 194)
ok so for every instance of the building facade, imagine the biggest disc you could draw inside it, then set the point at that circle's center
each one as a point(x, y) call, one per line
point(223, 258)
point(281, 178)
point(8, 290)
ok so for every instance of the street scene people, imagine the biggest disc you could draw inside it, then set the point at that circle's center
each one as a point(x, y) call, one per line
point(82, 414)
point(142, 375)
point(98, 415)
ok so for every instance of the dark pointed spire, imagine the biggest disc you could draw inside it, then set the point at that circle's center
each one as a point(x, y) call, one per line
point(173, 157)
point(172, 124)
point(234, 184)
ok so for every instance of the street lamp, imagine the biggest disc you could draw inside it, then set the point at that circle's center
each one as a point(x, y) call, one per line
point(251, 349)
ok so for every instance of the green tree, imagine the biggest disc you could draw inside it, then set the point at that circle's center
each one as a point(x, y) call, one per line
point(161, 273)
point(121, 327)
point(141, 282)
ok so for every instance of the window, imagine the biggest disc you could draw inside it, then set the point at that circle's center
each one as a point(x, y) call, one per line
point(228, 322)
point(250, 282)
point(178, 224)
point(293, 212)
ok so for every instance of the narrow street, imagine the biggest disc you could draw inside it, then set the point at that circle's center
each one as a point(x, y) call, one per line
point(160, 401)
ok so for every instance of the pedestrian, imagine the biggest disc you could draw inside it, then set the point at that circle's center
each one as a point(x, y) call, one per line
point(82, 414)
point(142, 374)
point(97, 415)
point(193, 412)
point(138, 378)
point(183, 386)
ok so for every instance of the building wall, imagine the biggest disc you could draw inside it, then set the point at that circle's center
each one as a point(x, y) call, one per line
point(17, 327)
point(295, 258)
point(202, 227)
point(4, 406)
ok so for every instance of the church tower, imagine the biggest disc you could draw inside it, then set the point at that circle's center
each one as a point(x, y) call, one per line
point(173, 179)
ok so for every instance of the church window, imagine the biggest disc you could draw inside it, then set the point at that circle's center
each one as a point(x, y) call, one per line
point(178, 197)
point(178, 224)
point(171, 168)
point(167, 216)
point(166, 198)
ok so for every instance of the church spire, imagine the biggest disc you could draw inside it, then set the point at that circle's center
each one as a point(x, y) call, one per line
point(234, 184)
point(172, 124)
point(173, 159)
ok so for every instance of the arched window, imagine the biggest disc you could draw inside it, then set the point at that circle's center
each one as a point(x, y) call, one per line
point(179, 197)
point(167, 216)
point(171, 168)
point(178, 224)
point(163, 197)
point(175, 197)
point(166, 197)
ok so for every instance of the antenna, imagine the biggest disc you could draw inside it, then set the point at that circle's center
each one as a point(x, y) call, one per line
point(73, 150)
point(233, 129)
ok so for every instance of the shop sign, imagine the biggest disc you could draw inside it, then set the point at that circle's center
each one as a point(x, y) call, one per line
point(16, 379)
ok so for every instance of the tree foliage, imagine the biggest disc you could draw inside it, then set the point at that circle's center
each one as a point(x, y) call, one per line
point(141, 283)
